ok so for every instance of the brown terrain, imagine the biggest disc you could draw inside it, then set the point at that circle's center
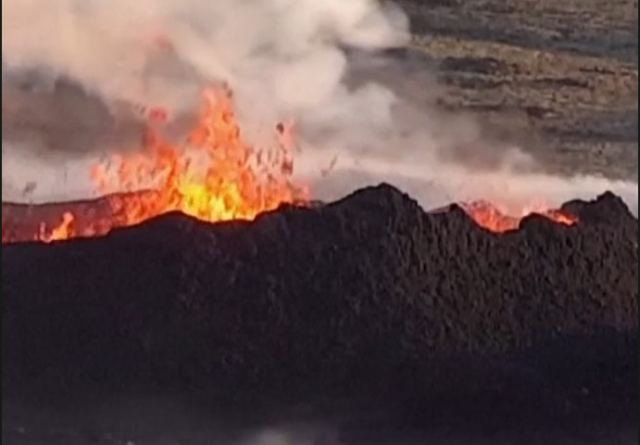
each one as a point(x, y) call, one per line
point(563, 75)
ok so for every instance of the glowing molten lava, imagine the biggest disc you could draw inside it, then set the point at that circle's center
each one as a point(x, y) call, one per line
point(63, 231)
point(215, 176)
point(489, 217)
point(234, 181)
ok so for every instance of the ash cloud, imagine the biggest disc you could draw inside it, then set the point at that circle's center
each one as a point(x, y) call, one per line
point(360, 108)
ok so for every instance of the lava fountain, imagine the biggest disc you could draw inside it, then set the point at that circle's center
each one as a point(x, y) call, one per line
point(214, 176)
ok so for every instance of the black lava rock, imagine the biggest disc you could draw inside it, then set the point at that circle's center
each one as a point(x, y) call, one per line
point(368, 296)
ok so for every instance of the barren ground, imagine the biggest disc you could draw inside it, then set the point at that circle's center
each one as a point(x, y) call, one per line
point(560, 76)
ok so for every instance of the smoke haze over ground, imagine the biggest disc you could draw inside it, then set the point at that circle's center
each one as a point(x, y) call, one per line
point(72, 71)
point(164, 420)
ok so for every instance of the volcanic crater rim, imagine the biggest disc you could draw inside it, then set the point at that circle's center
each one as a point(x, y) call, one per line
point(382, 198)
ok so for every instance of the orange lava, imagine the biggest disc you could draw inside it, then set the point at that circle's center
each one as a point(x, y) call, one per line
point(63, 231)
point(489, 217)
point(215, 176)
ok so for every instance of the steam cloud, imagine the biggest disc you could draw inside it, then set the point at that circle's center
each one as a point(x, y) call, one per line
point(72, 69)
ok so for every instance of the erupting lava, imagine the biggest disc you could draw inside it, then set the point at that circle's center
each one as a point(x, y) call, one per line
point(234, 181)
point(489, 217)
point(216, 176)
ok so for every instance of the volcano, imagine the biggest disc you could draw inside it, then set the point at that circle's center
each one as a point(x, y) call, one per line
point(367, 298)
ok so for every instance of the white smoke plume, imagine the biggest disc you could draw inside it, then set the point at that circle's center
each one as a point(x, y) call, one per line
point(280, 56)
point(313, 62)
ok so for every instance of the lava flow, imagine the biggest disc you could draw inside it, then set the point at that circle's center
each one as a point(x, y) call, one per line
point(215, 176)
point(488, 216)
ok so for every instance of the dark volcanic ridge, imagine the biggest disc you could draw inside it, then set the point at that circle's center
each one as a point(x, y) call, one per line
point(369, 297)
